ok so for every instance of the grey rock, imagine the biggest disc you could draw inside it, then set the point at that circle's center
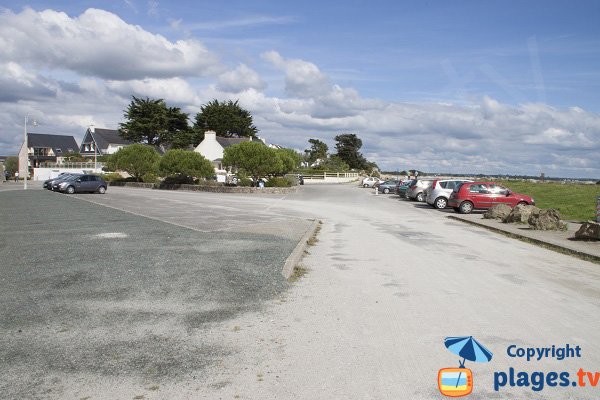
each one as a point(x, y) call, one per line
point(589, 231)
point(499, 211)
point(546, 220)
point(520, 214)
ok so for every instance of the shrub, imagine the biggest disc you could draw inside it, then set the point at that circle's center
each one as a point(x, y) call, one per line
point(185, 163)
point(247, 182)
point(278, 181)
point(112, 177)
point(150, 178)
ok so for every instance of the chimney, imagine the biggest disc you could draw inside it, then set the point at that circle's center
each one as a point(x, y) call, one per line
point(92, 128)
point(210, 135)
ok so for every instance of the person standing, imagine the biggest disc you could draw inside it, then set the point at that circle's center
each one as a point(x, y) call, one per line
point(17, 177)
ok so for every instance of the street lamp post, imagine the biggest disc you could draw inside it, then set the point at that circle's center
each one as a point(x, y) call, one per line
point(26, 161)
point(26, 146)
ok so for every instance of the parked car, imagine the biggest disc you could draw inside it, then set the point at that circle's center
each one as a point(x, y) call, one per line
point(51, 183)
point(370, 181)
point(84, 183)
point(387, 186)
point(402, 188)
point(416, 190)
point(482, 195)
point(48, 182)
point(438, 193)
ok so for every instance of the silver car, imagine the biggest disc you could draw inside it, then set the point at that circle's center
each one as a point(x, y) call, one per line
point(416, 190)
point(438, 193)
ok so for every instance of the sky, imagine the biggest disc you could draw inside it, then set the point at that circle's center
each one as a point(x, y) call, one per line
point(491, 87)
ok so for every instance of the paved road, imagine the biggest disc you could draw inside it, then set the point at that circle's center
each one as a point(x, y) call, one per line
point(387, 281)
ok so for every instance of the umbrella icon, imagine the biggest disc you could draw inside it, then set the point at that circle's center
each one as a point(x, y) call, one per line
point(469, 349)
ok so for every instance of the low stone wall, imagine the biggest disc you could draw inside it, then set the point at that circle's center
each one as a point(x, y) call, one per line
point(206, 188)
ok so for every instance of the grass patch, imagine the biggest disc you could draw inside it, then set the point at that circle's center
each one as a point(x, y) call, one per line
point(575, 202)
point(299, 272)
point(313, 239)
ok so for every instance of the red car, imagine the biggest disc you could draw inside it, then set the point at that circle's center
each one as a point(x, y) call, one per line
point(468, 196)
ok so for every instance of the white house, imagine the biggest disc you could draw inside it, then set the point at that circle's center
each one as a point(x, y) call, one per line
point(213, 146)
point(98, 142)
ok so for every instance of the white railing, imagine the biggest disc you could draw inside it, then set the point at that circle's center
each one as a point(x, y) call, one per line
point(76, 165)
point(337, 175)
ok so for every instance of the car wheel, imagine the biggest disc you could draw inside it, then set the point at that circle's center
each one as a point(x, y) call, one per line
point(466, 207)
point(101, 190)
point(365, 185)
point(386, 191)
point(420, 197)
point(70, 190)
point(440, 203)
point(522, 203)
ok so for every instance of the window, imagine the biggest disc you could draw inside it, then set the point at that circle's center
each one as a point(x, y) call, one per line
point(450, 185)
point(444, 185)
point(85, 178)
point(58, 150)
point(481, 188)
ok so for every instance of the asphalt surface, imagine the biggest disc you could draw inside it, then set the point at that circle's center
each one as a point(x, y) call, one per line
point(90, 291)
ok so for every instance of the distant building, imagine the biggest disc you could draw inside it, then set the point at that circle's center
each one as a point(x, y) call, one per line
point(44, 148)
point(99, 142)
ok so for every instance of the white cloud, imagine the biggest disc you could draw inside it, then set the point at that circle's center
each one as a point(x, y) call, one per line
point(240, 79)
point(302, 79)
point(99, 43)
point(16, 83)
point(174, 90)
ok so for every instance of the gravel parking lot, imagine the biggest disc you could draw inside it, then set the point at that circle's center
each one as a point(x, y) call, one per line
point(92, 293)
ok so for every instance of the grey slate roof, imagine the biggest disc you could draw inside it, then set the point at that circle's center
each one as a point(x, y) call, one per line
point(104, 137)
point(63, 142)
point(226, 142)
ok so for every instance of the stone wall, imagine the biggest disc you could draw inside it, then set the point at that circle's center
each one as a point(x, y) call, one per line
point(208, 188)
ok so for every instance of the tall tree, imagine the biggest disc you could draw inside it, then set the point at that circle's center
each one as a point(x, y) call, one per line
point(226, 118)
point(152, 122)
point(318, 150)
point(348, 146)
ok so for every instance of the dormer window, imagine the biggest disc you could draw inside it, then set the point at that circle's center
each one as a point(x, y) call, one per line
point(58, 150)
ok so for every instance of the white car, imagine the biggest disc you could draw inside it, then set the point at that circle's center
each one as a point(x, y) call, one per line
point(438, 193)
point(370, 181)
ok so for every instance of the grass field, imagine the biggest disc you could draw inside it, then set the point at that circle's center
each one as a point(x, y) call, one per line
point(574, 201)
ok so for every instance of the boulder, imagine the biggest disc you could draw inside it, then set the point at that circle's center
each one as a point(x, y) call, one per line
point(546, 220)
point(589, 231)
point(499, 211)
point(520, 214)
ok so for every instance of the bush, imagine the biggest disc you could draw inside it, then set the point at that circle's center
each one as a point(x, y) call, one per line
point(178, 180)
point(247, 182)
point(278, 181)
point(150, 178)
point(186, 163)
point(112, 177)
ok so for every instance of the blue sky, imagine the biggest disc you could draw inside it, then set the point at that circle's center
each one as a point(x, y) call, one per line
point(462, 76)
